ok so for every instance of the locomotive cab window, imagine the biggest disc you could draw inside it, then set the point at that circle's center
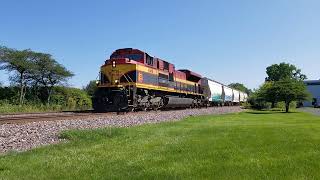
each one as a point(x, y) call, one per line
point(136, 57)
point(149, 60)
point(171, 77)
point(165, 65)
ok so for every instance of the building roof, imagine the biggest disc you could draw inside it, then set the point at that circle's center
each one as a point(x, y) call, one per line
point(312, 82)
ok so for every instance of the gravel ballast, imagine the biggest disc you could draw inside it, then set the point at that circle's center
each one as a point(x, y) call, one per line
point(21, 137)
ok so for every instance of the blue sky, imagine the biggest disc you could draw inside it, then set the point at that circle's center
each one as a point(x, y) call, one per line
point(227, 40)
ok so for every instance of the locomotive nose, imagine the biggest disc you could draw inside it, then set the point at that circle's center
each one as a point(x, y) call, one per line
point(115, 77)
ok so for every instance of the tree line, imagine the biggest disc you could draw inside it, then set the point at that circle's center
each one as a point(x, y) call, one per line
point(35, 76)
point(241, 87)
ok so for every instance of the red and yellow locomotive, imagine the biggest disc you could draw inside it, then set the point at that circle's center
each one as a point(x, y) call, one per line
point(133, 80)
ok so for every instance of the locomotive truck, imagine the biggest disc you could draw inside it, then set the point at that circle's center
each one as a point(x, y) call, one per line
point(131, 79)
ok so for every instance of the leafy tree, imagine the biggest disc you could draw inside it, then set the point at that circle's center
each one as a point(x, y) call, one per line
point(277, 72)
point(20, 63)
point(240, 87)
point(49, 73)
point(286, 90)
point(265, 92)
point(91, 88)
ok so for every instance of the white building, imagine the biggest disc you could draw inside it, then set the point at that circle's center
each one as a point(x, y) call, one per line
point(313, 86)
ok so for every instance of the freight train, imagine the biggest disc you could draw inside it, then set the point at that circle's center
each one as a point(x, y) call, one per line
point(133, 80)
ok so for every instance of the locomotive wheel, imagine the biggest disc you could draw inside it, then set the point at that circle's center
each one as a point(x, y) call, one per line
point(130, 109)
point(155, 108)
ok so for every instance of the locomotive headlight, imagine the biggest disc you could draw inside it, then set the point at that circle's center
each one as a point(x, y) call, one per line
point(113, 63)
point(116, 81)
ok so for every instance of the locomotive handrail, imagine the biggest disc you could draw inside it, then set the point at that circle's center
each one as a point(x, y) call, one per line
point(125, 76)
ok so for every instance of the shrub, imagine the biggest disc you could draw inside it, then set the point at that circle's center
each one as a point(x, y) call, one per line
point(258, 103)
point(63, 98)
point(282, 106)
point(71, 98)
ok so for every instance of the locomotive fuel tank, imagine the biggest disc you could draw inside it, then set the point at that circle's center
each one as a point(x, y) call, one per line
point(177, 102)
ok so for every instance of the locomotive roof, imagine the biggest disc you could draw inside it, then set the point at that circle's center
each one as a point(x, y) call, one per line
point(128, 49)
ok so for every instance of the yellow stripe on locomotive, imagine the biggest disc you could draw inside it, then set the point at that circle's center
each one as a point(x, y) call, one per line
point(123, 75)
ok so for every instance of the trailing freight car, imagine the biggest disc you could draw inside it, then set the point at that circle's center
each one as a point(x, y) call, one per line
point(218, 94)
point(228, 95)
point(242, 97)
point(213, 91)
point(236, 97)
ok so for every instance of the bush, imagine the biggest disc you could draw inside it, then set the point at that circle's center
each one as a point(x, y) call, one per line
point(63, 98)
point(71, 98)
point(9, 94)
point(91, 88)
point(258, 103)
point(282, 106)
point(255, 102)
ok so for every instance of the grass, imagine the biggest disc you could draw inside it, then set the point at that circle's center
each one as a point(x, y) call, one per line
point(9, 108)
point(248, 145)
point(33, 108)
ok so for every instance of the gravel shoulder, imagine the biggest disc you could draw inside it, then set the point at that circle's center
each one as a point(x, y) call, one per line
point(21, 137)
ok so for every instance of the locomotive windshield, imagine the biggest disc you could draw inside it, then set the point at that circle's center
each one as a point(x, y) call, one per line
point(135, 57)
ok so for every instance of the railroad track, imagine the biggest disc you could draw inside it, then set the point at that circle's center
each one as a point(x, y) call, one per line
point(56, 116)
point(35, 117)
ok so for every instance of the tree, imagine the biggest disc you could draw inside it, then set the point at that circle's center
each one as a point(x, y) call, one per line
point(91, 88)
point(288, 90)
point(49, 73)
point(277, 72)
point(20, 63)
point(265, 92)
point(240, 87)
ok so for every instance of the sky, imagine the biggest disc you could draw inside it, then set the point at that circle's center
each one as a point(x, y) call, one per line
point(226, 40)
